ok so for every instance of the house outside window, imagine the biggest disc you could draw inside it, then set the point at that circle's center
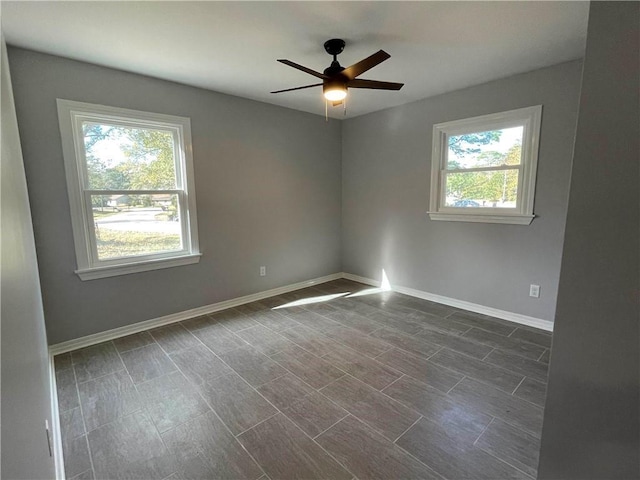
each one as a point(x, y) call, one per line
point(483, 169)
point(131, 189)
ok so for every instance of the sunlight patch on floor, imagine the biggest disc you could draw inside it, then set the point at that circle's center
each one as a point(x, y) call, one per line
point(307, 301)
point(385, 286)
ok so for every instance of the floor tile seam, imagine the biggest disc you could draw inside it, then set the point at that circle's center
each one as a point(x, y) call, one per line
point(197, 329)
point(440, 343)
point(407, 452)
point(223, 423)
point(542, 333)
point(278, 412)
point(487, 355)
point(528, 403)
point(166, 352)
point(438, 347)
point(60, 370)
point(234, 372)
point(518, 386)
point(312, 439)
point(394, 444)
point(522, 398)
point(210, 350)
point(297, 345)
point(144, 407)
point(100, 377)
point(486, 382)
point(513, 352)
point(310, 353)
point(83, 472)
point(137, 410)
point(272, 330)
point(488, 360)
point(235, 332)
point(359, 315)
point(407, 429)
point(318, 392)
point(503, 460)
point(273, 379)
point(528, 342)
point(332, 425)
point(519, 428)
point(542, 355)
point(84, 422)
point(216, 321)
point(509, 422)
point(415, 354)
point(458, 383)
point(367, 358)
point(148, 331)
point(396, 380)
point(540, 407)
point(410, 409)
point(434, 328)
point(484, 430)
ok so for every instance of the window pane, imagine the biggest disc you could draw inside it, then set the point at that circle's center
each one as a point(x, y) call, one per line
point(485, 149)
point(122, 158)
point(131, 225)
point(493, 189)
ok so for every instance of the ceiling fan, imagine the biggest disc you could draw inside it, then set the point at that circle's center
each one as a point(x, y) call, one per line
point(336, 79)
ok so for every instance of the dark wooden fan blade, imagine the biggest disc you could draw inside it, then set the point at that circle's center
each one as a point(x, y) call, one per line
point(304, 69)
point(361, 83)
point(363, 65)
point(297, 88)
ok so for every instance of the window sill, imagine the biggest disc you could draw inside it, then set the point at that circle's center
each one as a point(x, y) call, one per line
point(482, 218)
point(116, 270)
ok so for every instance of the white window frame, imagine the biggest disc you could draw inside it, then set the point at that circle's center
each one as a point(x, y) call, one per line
point(71, 115)
point(530, 119)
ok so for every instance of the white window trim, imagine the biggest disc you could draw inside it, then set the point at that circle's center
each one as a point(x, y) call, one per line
point(70, 114)
point(530, 118)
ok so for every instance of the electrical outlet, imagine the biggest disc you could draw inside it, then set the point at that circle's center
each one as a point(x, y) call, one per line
point(534, 291)
point(263, 271)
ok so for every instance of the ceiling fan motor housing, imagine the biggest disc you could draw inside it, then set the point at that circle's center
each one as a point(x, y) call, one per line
point(334, 47)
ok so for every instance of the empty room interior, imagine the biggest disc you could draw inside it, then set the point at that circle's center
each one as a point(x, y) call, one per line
point(320, 240)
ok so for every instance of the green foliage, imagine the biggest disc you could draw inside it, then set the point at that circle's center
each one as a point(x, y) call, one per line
point(493, 186)
point(467, 144)
point(159, 173)
point(149, 159)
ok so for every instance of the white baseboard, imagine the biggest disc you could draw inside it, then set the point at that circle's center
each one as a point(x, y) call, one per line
point(56, 433)
point(95, 338)
point(89, 340)
point(464, 305)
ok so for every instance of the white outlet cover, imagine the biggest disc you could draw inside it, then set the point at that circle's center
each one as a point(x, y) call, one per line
point(534, 291)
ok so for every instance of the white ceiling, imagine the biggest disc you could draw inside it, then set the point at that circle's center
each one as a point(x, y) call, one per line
point(232, 47)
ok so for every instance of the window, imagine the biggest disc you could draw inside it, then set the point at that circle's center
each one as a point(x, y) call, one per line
point(483, 169)
point(131, 193)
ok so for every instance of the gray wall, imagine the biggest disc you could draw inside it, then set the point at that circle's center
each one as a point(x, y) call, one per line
point(591, 419)
point(25, 378)
point(386, 166)
point(267, 188)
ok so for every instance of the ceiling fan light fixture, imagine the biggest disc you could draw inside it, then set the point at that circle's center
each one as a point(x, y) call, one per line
point(335, 92)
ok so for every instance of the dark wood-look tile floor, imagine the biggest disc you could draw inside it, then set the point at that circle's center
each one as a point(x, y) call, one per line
point(316, 383)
